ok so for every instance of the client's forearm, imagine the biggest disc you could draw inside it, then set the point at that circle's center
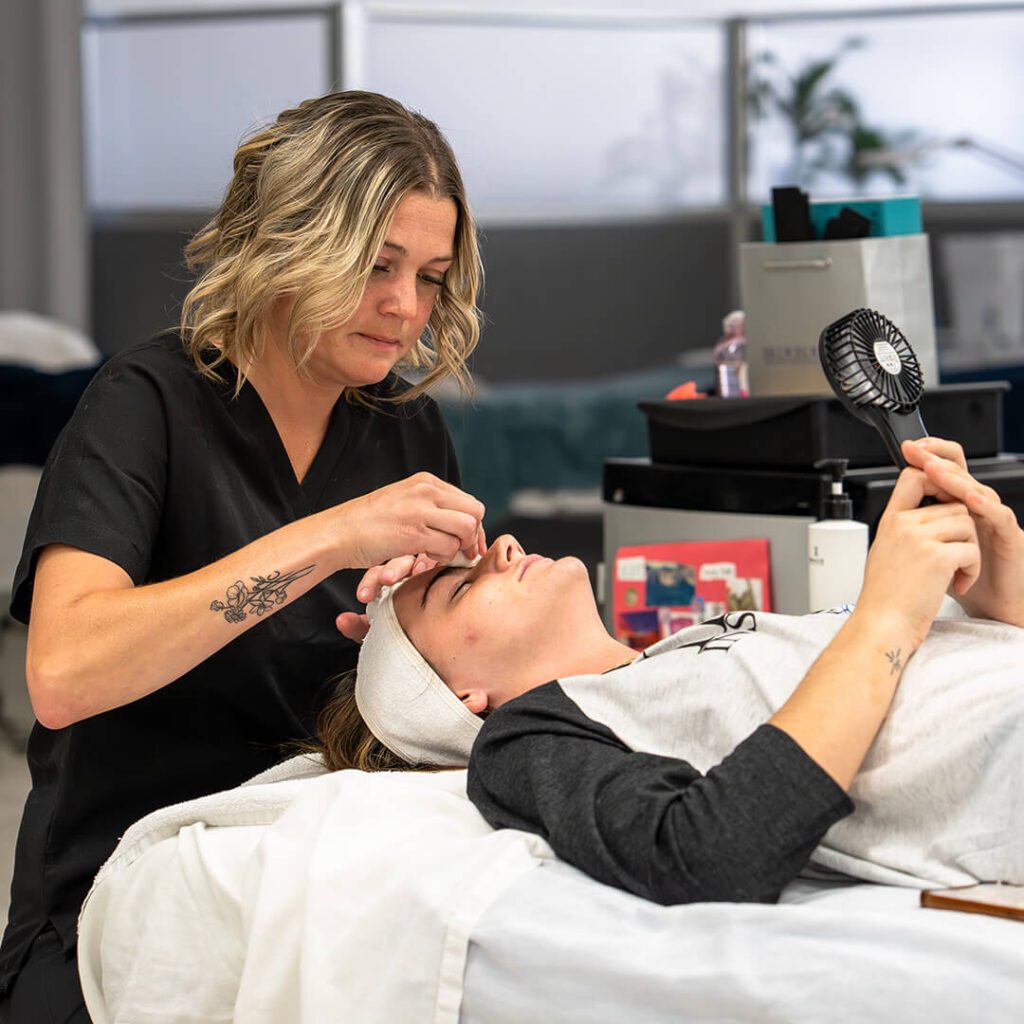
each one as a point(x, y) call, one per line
point(839, 706)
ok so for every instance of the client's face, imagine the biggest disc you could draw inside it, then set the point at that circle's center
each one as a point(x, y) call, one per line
point(503, 624)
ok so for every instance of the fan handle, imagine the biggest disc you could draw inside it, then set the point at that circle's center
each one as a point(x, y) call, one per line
point(895, 428)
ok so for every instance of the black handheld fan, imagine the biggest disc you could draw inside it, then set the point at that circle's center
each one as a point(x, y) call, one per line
point(875, 374)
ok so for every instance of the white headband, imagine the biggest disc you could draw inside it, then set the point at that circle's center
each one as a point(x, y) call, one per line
point(405, 703)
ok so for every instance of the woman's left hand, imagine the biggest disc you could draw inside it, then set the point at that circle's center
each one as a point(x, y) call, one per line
point(355, 626)
point(999, 591)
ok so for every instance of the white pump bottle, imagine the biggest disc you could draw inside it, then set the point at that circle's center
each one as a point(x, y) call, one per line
point(837, 547)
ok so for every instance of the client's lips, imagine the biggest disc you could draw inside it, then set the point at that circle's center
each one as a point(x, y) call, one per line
point(528, 561)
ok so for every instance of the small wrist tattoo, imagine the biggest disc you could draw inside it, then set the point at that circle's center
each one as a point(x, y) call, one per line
point(266, 593)
point(895, 665)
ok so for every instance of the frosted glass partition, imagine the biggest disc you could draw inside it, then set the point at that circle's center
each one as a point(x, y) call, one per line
point(167, 101)
point(926, 81)
point(550, 121)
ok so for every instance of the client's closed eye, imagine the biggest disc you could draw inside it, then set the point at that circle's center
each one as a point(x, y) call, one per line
point(459, 587)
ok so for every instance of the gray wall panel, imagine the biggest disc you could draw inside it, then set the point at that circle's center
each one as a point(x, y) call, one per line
point(579, 300)
point(590, 300)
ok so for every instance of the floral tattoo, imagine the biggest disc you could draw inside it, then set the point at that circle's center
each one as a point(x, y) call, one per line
point(266, 593)
point(895, 665)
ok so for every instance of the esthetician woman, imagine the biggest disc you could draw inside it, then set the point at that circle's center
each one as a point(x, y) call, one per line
point(184, 564)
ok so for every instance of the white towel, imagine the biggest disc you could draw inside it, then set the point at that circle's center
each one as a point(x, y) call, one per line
point(325, 915)
point(403, 701)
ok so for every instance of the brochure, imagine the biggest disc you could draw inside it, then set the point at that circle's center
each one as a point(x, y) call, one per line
point(658, 589)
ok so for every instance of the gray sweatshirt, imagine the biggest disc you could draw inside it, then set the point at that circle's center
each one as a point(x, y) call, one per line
point(661, 777)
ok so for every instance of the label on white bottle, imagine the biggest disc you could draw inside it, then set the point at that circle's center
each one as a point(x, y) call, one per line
point(837, 550)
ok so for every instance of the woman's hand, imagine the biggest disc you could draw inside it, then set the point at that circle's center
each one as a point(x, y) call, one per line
point(999, 591)
point(445, 501)
point(917, 555)
point(355, 626)
point(420, 516)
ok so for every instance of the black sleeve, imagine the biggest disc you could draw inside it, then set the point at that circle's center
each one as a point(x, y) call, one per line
point(102, 488)
point(653, 825)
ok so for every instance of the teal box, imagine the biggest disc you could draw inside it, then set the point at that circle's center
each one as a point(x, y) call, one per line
point(894, 215)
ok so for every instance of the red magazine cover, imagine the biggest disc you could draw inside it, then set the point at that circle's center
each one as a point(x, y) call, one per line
point(658, 589)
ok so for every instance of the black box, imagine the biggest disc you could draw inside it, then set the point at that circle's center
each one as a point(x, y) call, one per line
point(785, 491)
point(798, 430)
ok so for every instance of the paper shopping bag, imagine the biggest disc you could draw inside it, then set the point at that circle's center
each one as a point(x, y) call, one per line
point(792, 291)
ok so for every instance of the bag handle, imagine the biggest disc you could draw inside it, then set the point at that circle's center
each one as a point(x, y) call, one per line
point(822, 263)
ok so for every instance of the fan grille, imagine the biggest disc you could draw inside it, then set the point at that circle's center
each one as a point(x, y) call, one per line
point(870, 361)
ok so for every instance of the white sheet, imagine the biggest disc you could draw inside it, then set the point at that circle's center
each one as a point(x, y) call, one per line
point(340, 897)
point(359, 899)
point(559, 947)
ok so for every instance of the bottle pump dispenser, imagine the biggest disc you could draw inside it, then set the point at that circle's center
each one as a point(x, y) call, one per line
point(837, 546)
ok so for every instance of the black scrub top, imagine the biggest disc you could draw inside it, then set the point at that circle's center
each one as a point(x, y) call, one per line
point(163, 471)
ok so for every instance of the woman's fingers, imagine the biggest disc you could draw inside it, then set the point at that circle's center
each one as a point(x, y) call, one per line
point(388, 574)
point(454, 518)
point(369, 586)
point(422, 564)
point(447, 496)
point(353, 626)
point(422, 518)
point(477, 546)
point(447, 532)
point(378, 576)
point(396, 569)
point(481, 542)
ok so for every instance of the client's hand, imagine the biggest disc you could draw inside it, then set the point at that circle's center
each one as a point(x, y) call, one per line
point(999, 591)
point(355, 626)
point(916, 555)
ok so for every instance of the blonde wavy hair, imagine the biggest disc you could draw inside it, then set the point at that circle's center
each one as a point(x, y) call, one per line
point(305, 215)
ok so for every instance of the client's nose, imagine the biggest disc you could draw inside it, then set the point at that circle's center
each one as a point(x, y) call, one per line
point(506, 551)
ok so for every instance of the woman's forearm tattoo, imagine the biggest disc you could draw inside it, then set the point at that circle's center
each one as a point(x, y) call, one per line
point(266, 593)
point(895, 665)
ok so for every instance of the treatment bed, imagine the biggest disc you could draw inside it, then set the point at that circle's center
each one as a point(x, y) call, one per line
point(306, 896)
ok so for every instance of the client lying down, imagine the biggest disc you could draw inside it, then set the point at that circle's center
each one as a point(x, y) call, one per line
point(715, 765)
